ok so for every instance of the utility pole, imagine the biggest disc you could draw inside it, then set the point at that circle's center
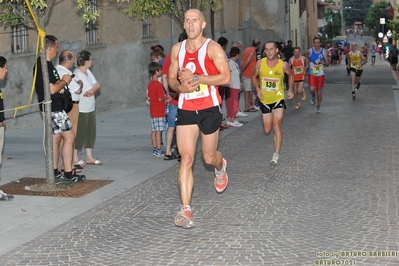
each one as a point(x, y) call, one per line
point(342, 20)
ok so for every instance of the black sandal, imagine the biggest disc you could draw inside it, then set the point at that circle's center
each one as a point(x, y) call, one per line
point(170, 157)
point(78, 166)
point(76, 178)
point(76, 170)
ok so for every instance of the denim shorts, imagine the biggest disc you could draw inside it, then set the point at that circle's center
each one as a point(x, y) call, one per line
point(171, 117)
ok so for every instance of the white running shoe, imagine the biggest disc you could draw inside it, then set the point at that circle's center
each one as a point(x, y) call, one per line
point(234, 124)
point(275, 158)
point(241, 114)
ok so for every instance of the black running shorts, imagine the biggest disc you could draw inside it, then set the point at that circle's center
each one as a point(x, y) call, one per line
point(268, 108)
point(208, 120)
point(357, 71)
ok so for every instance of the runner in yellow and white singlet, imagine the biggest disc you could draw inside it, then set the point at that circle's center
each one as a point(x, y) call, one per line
point(355, 65)
point(268, 79)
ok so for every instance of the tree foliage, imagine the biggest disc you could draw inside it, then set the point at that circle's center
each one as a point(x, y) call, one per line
point(334, 23)
point(393, 25)
point(141, 9)
point(13, 12)
point(355, 10)
point(376, 11)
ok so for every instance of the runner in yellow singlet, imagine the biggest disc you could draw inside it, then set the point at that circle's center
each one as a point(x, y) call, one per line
point(355, 65)
point(268, 79)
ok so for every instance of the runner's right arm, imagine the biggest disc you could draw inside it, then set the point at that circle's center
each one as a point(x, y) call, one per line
point(174, 83)
point(255, 78)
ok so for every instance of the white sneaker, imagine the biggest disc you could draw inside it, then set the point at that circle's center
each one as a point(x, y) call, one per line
point(5, 197)
point(234, 124)
point(241, 114)
point(275, 158)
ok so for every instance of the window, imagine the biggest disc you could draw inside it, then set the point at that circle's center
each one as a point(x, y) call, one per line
point(91, 28)
point(19, 35)
point(303, 6)
point(146, 28)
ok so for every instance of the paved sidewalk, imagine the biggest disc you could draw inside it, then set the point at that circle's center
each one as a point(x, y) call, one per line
point(123, 144)
point(334, 192)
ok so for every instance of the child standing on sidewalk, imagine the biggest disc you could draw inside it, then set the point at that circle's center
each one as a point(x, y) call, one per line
point(157, 98)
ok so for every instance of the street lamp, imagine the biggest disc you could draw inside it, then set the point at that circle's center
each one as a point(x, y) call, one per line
point(382, 22)
point(344, 8)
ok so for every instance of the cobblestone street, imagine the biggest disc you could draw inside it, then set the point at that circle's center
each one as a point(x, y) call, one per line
point(334, 191)
point(332, 200)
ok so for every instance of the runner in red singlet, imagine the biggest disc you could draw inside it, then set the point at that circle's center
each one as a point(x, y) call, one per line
point(299, 65)
point(198, 66)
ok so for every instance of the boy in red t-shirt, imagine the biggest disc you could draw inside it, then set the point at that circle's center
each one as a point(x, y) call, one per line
point(157, 99)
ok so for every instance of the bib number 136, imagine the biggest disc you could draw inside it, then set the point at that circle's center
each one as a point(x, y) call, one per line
point(270, 84)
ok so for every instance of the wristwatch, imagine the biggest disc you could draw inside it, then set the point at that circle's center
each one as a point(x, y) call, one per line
point(195, 78)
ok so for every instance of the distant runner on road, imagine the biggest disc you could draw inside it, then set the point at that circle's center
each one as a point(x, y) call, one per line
point(355, 65)
point(318, 59)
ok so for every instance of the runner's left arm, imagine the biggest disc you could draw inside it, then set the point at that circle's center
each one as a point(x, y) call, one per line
point(326, 62)
point(287, 70)
point(364, 60)
point(306, 64)
point(349, 61)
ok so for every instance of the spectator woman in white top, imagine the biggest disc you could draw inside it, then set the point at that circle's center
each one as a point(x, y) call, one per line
point(86, 132)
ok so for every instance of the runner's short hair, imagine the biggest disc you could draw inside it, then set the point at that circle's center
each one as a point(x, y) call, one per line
point(316, 38)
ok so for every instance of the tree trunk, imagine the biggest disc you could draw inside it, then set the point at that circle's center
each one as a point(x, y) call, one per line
point(48, 132)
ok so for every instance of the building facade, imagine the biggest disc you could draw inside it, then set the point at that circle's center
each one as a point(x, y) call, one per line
point(121, 47)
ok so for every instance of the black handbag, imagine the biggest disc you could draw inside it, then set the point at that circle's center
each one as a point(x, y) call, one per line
point(67, 100)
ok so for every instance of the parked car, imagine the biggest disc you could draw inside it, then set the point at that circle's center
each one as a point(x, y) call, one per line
point(340, 41)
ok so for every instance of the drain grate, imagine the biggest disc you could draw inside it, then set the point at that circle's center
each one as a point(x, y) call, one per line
point(75, 190)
